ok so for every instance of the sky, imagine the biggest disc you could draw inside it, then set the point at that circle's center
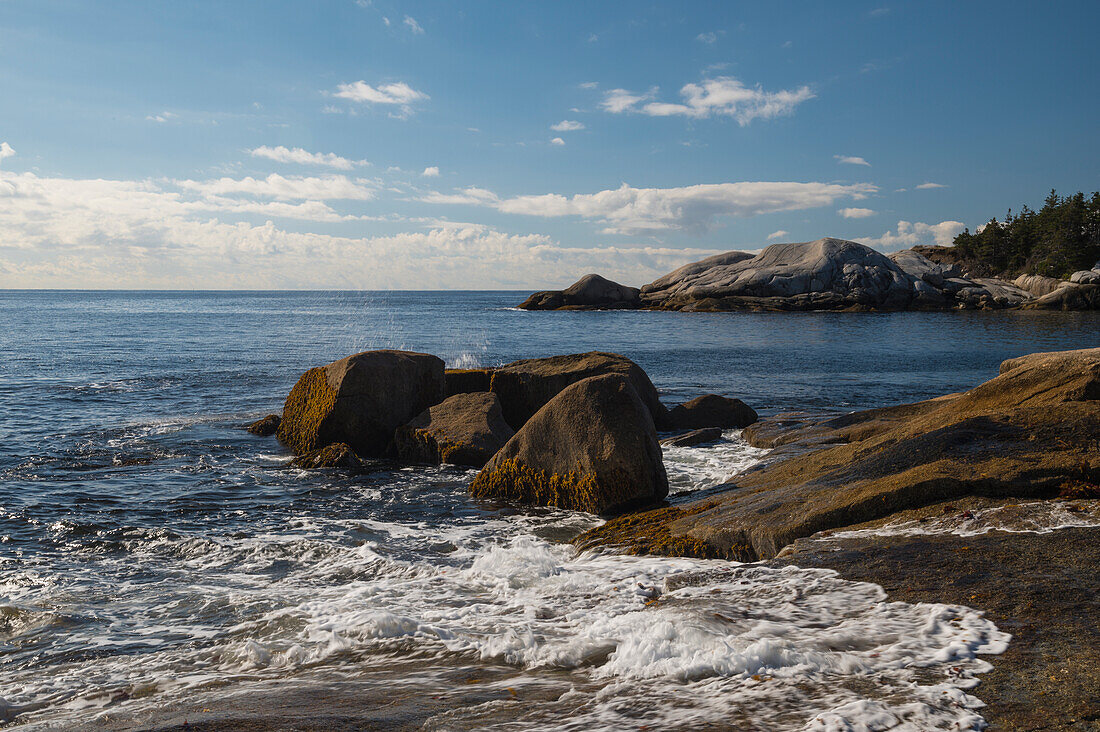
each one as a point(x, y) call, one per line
point(374, 144)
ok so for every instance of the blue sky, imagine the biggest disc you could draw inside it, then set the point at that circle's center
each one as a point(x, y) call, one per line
point(379, 144)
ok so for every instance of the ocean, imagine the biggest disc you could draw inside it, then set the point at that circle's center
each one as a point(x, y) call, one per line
point(160, 565)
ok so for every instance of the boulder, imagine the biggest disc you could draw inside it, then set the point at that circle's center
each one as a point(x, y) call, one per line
point(360, 400)
point(693, 438)
point(465, 381)
point(336, 455)
point(1029, 433)
point(920, 267)
point(991, 293)
point(593, 447)
point(465, 429)
point(589, 292)
point(1071, 297)
point(265, 427)
point(1085, 277)
point(525, 386)
point(711, 410)
point(1038, 285)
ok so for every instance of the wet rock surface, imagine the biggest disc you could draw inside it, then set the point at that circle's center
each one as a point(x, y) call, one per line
point(267, 426)
point(711, 410)
point(1042, 588)
point(693, 438)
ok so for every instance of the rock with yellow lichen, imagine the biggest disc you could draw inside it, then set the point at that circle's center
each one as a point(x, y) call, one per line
point(593, 448)
point(465, 429)
point(360, 400)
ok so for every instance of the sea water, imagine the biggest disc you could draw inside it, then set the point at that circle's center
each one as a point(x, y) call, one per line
point(154, 555)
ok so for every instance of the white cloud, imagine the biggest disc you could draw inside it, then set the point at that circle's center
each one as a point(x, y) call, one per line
point(143, 234)
point(617, 101)
point(856, 213)
point(589, 85)
point(628, 210)
point(778, 234)
point(6, 151)
point(910, 234)
point(851, 160)
point(722, 96)
point(557, 141)
point(926, 186)
point(398, 93)
point(162, 117)
point(707, 38)
point(567, 125)
point(431, 171)
point(329, 187)
point(281, 154)
point(413, 26)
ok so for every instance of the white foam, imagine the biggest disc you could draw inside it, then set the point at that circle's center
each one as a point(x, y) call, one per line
point(705, 466)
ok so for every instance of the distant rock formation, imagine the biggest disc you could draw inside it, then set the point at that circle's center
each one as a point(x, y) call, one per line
point(827, 274)
point(590, 292)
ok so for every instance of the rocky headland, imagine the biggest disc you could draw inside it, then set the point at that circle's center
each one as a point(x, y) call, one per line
point(828, 274)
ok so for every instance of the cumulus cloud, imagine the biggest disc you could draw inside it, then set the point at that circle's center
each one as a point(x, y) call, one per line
point(708, 37)
point(431, 171)
point(567, 125)
point(721, 96)
point(557, 141)
point(413, 26)
point(856, 213)
point(926, 186)
point(144, 234)
point(778, 234)
point(909, 234)
point(628, 210)
point(851, 160)
point(398, 93)
point(281, 154)
point(6, 151)
point(329, 187)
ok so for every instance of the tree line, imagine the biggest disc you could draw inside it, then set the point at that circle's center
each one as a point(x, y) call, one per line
point(1057, 240)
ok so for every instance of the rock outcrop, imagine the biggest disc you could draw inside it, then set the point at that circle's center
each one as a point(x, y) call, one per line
point(525, 386)
point(1031, 432)
point(267, 426)
point(590, 292)
point(711, 410)
point(1071, 297)
point(693, 438)
point(336, 455)
point(593, 447)
point(360, 400)
point(834, 274)
point(465, 429)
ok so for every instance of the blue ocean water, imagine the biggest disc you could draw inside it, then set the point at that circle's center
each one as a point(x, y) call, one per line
point(153, 553)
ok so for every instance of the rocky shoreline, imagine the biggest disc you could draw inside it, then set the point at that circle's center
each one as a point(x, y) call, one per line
point(827, 274)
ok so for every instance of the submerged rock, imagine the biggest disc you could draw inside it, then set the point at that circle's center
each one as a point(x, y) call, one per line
point(711, 410)
point(1029, 432)
point(360, 400)
point(336, 455)
point(589, 292)
point(693, 438)
point(267, 426)
point(465, 429)
point(525, 386)
point(593, 447)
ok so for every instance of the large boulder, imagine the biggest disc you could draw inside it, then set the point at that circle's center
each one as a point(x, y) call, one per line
point(1029, 433)
point(589, 292)
point(990, 293)
point(360, 400)
point(465, 381)
point(1085, 277)
point(711, 410)
point(593, 448)
point(465, 429)
point(920, 267)
point(525, 386)
point(1071, 297)
point(1038, 285)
